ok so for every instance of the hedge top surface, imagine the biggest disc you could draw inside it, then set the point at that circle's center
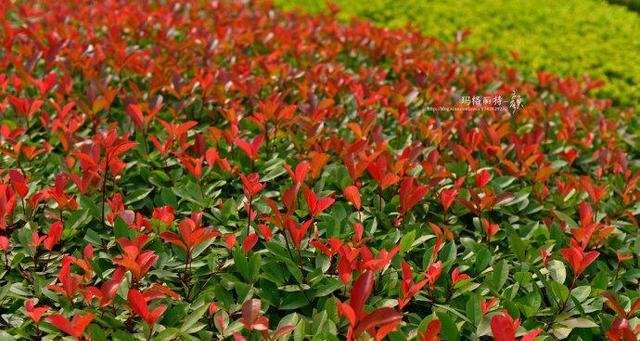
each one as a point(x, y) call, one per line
point(569, 38)
point(215, 170)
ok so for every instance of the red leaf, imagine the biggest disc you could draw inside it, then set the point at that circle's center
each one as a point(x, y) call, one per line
point(316, 206)
point(109, 289)
point(502, 328)
point(136, 115)
point(155, 314)
point(19, 182)
point(634, 307)
point(300, 174)
point(174, 239)
point(250, 312)
point(250, 242)
point(447, 196)
point(613, 303)
point(360, 293)
point(482, 179)
point(138, 303)
point(379, 317)
point(265, 231)
point(4, 243)
point(353, 195)
point(121, 149)
point(35, 312)
point(347, 311)
point(432, 331)
point(530, 336)
point(283, 331)
point(75, 327)
point(54, 235)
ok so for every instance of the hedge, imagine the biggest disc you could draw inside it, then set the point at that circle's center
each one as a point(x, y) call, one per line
point(569, 38)
point(222, 170)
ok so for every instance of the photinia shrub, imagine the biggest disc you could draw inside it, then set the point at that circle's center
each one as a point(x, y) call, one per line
point(224, 170)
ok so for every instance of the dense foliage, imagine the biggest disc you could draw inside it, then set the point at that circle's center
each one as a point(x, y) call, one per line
point(633, 5)
point(569, 38)
point(208, 170)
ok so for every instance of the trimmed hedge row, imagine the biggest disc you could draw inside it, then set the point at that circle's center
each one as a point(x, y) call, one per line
point(565, 37)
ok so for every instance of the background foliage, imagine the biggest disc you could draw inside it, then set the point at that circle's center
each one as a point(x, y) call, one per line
point(569, 38)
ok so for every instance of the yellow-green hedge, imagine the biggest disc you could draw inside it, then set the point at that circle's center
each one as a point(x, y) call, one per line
point(568, 37)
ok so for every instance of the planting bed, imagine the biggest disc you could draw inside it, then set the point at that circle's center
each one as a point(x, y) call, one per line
point(196, 170)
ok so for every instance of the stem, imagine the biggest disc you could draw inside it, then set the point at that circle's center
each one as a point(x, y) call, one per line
point(573, 284)
point(201, 189)
point(150, 333)
point(24, 209)
point(212, 325)
point(46, 265)
point(104, 189)
point(266, 137)
point(187, 262)
point(286, 240)
point(167, 170)
point(292, 258)
point(564, 304)
point(304, 278)
point(36, 256)
point(186, 277)
point(146, 143)
point(28, 126)
point(249, 215)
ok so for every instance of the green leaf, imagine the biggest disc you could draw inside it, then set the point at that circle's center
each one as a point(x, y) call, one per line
point(561, 332)
point(579, 322)
point(474, 308)
point(557, 270)
point(88, 204)
point(567, 219)
point(274, 170)
point(167, 334)
point(194, 317)
point(327, 287)
point(121, 229)
point(449, 330)
point(518, 246)
point(168, 198)
point(549, 288)
point(560, 291)
point(500, 275)
point(74, 221)
point(407, 241)
point(294, 300)
point(190, 192)
point(137, 195)
point(581, 293)
point(483, 258)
